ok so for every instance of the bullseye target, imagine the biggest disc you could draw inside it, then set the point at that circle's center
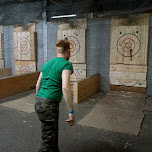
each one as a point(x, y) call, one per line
point(128, 56)
point(74, 45)
point(24, 46)
point(128, 45)
point(77, 39)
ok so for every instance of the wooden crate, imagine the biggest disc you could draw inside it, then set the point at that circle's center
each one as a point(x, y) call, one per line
point(25, 45)
point(86, 87)
point(23, 67)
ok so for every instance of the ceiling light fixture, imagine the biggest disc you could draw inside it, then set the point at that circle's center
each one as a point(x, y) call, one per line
point(62, 16)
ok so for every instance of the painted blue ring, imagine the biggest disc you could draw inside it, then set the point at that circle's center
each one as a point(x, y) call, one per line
point(125, 85)
point(133, 54)
point(77, 72)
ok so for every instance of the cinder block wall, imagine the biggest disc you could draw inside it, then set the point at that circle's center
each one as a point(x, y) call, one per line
point(98, 50)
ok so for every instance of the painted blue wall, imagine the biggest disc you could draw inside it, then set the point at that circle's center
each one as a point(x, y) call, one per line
point(9, 48)
point(98, 50)
point(51, 44)
point(39, 52)
point(52, 39)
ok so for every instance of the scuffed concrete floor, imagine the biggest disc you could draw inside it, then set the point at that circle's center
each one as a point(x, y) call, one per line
point(20, 132)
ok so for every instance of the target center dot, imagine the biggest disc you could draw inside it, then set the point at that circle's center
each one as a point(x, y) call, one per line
point(128, 45)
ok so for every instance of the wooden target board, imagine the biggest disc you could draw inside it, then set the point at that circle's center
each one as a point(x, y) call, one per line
point(129, 45)
point(128, 57)
point(77, 40)
point(23, 67)
point(127, 75)
point(24, 43)
point(79, 72)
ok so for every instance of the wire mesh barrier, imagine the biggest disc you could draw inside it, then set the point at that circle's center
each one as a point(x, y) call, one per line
point(29, 30)
point(111, 38)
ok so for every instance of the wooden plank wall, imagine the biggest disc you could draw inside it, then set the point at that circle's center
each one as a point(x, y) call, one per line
point(127, 88)
point(86, 87)
point(79, 72)
point(28, 28)
point(76, 33)
point(129, 51)
point(22, 67)
point(25, 49)
point(22, 83)
point(77, 38)
point(132, 20)
point(137, 36)
point(128, 75)
point(25, 45)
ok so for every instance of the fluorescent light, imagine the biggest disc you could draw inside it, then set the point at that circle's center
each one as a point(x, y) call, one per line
point(62, 16)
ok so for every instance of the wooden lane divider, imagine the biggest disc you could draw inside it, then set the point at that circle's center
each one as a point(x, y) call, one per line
point(85, 88)
point(17, 84)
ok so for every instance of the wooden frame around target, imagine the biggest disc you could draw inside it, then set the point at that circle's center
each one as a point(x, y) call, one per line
point(129, 45)
point(25, 45)
point(128, 56)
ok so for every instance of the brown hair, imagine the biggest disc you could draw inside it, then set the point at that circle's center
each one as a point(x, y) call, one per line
point(62, 46)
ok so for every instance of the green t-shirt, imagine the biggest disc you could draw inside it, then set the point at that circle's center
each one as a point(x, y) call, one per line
point(51, 87)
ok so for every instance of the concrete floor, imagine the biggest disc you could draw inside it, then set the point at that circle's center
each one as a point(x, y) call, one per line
point(20, 132)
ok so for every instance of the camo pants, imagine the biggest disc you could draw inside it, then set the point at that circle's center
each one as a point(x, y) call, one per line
point(48, 113)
